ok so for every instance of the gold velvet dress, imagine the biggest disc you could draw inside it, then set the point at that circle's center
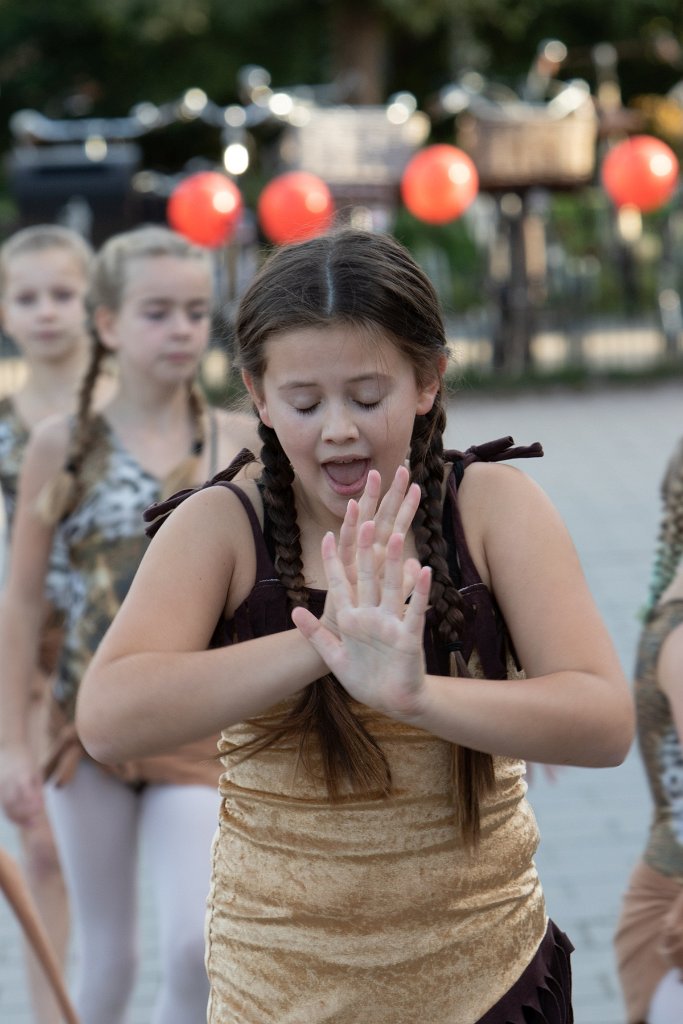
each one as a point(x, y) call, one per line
point(373, 910)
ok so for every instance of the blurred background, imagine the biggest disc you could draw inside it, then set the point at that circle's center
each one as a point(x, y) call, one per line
point(526, 152)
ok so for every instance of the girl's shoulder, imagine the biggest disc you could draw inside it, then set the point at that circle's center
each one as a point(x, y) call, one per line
point(234, 431)
point(212, 504)
point(51, 436)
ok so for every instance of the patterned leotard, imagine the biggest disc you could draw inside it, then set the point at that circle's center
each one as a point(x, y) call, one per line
point(105, 540)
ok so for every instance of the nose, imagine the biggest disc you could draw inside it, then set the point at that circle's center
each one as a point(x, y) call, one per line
point(181, 323)
point(46, 306)
point(339, 426)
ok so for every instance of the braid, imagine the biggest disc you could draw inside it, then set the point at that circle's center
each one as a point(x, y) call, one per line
point(279, 498)
point(60, 495)
point(323, 710)
point(472, 770)
point(669, 551)
point(186, 474)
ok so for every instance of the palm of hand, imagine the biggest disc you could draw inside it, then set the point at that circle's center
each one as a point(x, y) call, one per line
point(368, 636)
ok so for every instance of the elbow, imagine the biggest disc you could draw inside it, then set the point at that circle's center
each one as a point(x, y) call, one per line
point(616, 739)
point(98, 735)
point(95, 740)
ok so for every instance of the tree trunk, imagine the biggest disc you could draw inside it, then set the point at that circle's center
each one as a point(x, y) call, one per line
point(358, 36)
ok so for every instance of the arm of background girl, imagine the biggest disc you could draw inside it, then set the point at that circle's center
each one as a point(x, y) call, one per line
point(575, 706)
point(21, 617)
point(670, 679)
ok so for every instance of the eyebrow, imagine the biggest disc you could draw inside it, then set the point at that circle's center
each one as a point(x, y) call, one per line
point(360, 379)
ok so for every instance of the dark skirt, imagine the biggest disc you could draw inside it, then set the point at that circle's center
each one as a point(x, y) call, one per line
point(543, 992)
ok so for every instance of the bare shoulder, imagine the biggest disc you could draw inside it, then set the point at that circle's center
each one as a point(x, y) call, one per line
point(491, 493)
point(47, 449)
point(503, 508)
point(235, 430)
point(210, 535)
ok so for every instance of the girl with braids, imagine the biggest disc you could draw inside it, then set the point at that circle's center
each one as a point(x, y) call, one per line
point(374, 856)
point(44, 275)
point(151, 302)
point(649, 937)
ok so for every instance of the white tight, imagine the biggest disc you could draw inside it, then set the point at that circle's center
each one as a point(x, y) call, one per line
point(667, 1003)
point(99, 824)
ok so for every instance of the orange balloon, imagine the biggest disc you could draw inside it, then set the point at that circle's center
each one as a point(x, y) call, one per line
point(641, 171)
point(439, 183)
point(295, 206)
point(205, 208)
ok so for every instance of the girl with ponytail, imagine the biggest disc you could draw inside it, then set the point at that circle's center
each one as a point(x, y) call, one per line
point(649, 936)
point(374, 858)
point(150, 306)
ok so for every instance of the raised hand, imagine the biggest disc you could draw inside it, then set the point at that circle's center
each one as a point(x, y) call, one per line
point(21, 795)
point(378, 654)
point(395, 514)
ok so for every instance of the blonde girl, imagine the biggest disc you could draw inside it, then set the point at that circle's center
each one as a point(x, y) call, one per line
point(374, 858)
point(151, 300)
point(44, 277)
point(649, 937)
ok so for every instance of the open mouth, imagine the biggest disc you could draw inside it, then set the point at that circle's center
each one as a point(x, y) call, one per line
point(347, 476)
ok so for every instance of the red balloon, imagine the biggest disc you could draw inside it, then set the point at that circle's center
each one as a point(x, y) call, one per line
point(205, 208)
point(439, 183)
point(295, 206)
point(640, 171)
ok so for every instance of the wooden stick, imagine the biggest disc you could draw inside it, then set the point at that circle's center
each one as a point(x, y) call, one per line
point(18, 895)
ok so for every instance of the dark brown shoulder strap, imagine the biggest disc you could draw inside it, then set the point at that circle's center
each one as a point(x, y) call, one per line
point(493, 451)
point(159, 512)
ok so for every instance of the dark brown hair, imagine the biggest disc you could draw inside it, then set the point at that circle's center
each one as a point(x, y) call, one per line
point(370, 282)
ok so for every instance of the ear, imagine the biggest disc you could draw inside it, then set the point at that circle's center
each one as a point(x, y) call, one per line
point(105, 321)
point(257, 397)
point(429, 391)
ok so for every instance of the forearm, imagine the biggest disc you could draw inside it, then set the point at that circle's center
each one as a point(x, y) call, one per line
point(568, 717)
point(20, 624)
point(147, 703)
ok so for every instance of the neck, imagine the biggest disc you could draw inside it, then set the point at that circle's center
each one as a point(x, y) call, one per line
point(51, 388)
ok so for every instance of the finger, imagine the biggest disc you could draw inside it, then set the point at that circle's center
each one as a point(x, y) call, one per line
point(393, 600)
point(414, 617)
point(346, 547)
point(325, 643)
point(411, 571)
point(338, 586)
point(390, 505)
point(367, 570)
point(370, 496)
point(407, 510)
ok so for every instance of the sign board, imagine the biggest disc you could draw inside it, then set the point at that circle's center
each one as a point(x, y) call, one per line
point(357, 151)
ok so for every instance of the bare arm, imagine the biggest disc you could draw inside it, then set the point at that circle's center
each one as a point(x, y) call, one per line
point(21, 618)
point(575, 707)
point(670, 680)
point(153, 684)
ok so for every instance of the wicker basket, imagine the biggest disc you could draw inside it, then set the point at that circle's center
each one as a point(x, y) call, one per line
point(516, 145)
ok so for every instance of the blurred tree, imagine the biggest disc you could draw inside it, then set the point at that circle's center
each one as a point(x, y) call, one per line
point(80, 57)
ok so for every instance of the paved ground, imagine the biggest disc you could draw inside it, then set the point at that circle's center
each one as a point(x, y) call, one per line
point(605, 452)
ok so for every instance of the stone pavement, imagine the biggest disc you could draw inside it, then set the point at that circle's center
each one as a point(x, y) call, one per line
point(605, 453)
